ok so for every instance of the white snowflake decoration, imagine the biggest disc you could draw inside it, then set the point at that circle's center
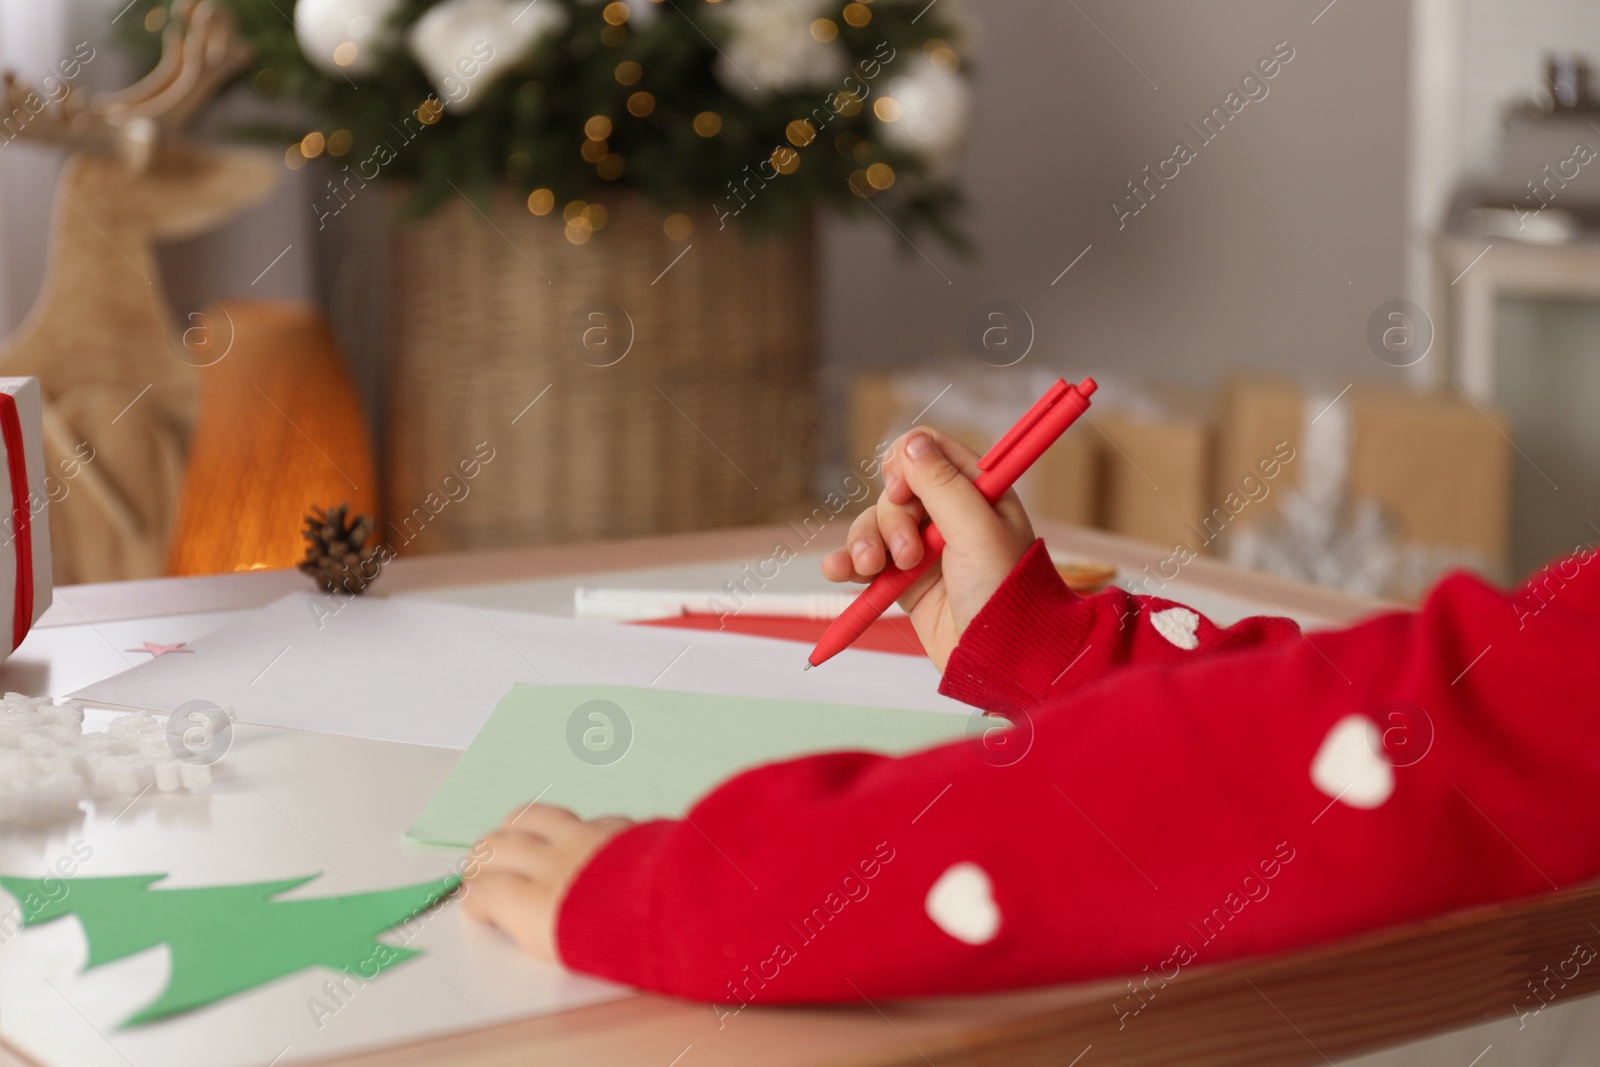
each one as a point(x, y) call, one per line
point(48, 764)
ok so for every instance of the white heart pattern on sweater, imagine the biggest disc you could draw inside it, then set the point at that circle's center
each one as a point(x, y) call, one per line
point(1177, 625)
point(1349, 767)
point(961, 903)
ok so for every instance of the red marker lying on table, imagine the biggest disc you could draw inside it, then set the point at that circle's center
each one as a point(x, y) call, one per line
point(999, 468)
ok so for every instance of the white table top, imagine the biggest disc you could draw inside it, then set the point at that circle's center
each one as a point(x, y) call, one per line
point(318, 802)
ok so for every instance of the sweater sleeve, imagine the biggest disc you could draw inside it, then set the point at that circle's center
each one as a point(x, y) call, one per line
point(1035, 639)
point(1166, 817)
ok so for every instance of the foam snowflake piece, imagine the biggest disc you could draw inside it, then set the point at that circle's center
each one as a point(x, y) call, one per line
point(49, 765)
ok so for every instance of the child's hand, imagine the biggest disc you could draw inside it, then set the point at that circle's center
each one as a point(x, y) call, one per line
point(929, 475)
point(533, 859)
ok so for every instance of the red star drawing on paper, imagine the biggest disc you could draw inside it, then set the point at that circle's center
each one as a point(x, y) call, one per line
point(158, 650)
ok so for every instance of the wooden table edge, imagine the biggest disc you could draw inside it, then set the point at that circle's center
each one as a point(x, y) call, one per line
point(1343, 998)
point(1340, 999)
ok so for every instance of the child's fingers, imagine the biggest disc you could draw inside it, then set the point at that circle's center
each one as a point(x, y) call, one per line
point(903, 532)
point(546, 820)
point(883, 533)
point(891, 530)
point(516, 906)
point(965, 459)
point(863, 555)
point(864, 546)
point(512, 852)
point(899, 513)
point(899, 528)
point(836, 566)
point(946, 491)
point(895, 484)
point(611, 824)
point(1010, 508)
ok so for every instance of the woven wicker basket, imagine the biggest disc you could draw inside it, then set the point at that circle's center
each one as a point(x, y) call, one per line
point(706, 420)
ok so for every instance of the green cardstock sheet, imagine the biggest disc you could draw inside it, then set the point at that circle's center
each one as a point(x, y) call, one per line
point(229, 938)
point(645, 753)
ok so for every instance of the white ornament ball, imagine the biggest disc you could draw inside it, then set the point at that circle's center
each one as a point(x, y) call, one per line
point(345, 36)
point(771, 49)
point(464, 46)
point(935, 111)
point(642, 13)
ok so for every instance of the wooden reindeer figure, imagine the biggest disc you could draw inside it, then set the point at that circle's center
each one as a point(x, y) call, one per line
point(119, 379)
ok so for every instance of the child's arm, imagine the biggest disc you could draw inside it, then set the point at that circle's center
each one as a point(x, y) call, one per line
point(1036, 640)
point(995, 616)
point(1279, 797)
point(1027, 638)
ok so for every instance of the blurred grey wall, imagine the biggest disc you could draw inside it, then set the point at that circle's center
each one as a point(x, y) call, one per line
point(1269, 250)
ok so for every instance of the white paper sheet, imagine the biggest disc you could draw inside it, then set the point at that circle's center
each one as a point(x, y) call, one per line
point(428, 673)
point(284, 803)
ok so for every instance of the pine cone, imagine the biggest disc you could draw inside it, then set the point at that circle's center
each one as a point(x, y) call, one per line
point(338, 555)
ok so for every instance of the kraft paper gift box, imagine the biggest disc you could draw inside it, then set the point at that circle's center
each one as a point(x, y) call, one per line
point(1154, 458)
point(1438, 468)
point(25, 533)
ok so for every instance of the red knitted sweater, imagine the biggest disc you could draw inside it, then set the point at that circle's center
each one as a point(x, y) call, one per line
point(1171, 793)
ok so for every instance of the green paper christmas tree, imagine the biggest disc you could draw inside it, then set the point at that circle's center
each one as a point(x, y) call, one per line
point(229, 938)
